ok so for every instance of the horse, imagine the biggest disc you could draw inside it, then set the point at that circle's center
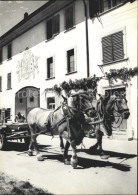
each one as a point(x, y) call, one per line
point(108, 110)
point(66, 121)
point(104, 115)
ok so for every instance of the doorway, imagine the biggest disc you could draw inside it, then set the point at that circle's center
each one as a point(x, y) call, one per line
point(116, 125)
point(26, 99)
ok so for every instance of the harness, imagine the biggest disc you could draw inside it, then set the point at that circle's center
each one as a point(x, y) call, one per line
point(68, 114)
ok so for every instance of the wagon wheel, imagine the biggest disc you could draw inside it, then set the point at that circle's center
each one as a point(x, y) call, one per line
point(3, 141)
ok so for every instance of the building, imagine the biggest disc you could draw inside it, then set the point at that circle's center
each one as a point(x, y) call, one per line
point(65, 40)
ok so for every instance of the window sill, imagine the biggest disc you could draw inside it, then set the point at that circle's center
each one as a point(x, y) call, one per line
point(71, 73)
point(70, 29)
point(50, 39)
point(9, 59)
point(113, 62)
point(50, 78)
point(9, 88)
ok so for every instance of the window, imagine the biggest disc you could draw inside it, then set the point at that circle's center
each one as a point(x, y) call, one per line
point(0, 83)
point(105, 5)
point(70, 61)
point(21, 100)
point(9, 81)
point(112, 46)
point(9, 51)
point(7, 113)
point(69, 18)
point(53, 26)
point(1, 55)
point(51, 103)
point(50, 68)
point(32, 99)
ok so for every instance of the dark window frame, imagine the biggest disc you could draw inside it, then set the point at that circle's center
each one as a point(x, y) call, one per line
point(50, 68)
point(113, 47)
point(50, 103)
point(9, 54)
point(71, 61)
point(69, 17)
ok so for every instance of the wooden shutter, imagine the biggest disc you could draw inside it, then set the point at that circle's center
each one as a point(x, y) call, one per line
point(49, 29)
point(118, 51)
point(69, 20)
point(113, 47)
point(107, 49)
point(56, 24)
point(9, 51)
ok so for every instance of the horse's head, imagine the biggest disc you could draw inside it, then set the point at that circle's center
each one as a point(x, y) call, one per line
point(82, 101)
point(118, 103)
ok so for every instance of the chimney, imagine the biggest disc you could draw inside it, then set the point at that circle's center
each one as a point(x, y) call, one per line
point(25, 15)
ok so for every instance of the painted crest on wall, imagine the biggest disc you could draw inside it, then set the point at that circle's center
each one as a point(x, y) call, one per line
point(27, 66)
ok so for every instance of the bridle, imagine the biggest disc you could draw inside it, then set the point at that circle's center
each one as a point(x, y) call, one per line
point(119, 114)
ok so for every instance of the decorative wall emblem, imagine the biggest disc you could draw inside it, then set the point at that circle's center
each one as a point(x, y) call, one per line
point(27, 66)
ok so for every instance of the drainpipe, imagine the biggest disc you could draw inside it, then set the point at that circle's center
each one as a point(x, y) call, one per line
point(87, 40)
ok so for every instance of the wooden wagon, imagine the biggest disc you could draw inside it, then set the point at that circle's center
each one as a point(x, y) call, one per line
point(14, 131)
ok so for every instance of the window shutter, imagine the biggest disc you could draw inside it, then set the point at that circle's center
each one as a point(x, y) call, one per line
point(56, 24)
point(49, 29)
point(69, 20)
point(9, 51)
point(107, 49)
point(118, 50)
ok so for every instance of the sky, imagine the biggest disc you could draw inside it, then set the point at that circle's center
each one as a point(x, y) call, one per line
point(12, 12)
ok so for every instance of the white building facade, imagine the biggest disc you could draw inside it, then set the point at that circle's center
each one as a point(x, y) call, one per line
point(64, 40)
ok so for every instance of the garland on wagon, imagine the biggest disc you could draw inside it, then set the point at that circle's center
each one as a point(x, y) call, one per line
point(124, 74)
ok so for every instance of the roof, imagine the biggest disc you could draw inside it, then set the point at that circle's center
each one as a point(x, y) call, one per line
point(42, 13)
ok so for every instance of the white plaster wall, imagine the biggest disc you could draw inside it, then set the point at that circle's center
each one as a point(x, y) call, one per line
point(124, 18)
point(57, 47)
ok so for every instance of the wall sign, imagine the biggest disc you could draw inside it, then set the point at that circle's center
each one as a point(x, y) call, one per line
point(27, 66)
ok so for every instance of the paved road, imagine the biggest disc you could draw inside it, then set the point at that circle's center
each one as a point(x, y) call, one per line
point(116, 175)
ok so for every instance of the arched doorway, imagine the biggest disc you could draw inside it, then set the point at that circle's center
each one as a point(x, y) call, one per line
point(26, 99)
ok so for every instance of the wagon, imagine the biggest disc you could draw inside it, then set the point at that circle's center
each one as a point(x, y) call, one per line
point(14, 131)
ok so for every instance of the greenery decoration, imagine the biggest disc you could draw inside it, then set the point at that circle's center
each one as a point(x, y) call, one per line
point(124, 74)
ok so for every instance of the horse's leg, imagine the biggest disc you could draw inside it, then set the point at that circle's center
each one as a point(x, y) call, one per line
point(61, 144)
point(31, 147)
point(33, 143)
point(65, 155)
point(74, 159)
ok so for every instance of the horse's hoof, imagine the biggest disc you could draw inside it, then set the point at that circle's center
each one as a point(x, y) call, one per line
point(66, 162)
point(30, 153)
point(40, 158)
point(74, 162)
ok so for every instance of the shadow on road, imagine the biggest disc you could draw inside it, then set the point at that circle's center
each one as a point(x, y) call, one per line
point(85, 163)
